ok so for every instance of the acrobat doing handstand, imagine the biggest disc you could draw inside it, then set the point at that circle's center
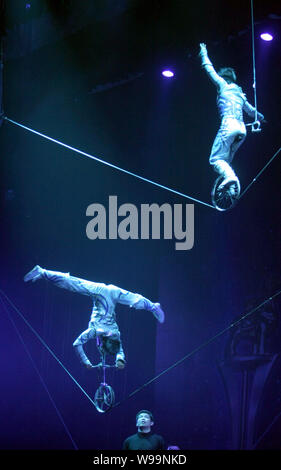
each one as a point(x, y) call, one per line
point(231, 102)
point(102, 325)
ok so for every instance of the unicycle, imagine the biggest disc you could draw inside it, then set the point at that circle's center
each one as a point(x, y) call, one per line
point(225, 198)
point(104, 397)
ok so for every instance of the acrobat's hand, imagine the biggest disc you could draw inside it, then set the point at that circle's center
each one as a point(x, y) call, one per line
point(120, 364)
point(203, 49)
point(256, 126)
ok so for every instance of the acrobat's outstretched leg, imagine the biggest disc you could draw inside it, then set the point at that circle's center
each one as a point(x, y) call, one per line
point(226, 189)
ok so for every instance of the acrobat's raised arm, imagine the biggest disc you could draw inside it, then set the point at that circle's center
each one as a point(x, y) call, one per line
point(208, 66)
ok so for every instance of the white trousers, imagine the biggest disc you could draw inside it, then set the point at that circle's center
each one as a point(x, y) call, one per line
point(230, 136)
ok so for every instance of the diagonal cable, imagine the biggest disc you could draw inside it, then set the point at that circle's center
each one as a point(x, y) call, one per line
point(39, 375)
point(161, 186)
point(187, 356)
point(47, 347)
point(260, 172)
point(203, 345)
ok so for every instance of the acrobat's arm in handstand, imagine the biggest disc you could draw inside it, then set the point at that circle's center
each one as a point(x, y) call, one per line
point(110, 341)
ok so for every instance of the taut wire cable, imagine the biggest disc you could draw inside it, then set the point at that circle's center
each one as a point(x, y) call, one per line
point(191, 353)
point(275, 419)
point(109, 164)
point(46, 346)
point(129, 172)
point(39, 375)
point(254, 61)
point(260, 172)
point(206, 343)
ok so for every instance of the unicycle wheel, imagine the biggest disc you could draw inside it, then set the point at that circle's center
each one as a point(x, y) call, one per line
point(226, 197)
point(104, 398)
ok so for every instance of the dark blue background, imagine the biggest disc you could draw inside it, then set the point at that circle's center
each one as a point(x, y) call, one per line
point(162, 130)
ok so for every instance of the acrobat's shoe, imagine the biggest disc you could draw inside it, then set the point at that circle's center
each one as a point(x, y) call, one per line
point(230, 182)
point(232, 190)
point(158, 313)
point(34, 274)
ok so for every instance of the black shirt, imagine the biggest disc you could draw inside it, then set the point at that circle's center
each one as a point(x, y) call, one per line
point(144, 441)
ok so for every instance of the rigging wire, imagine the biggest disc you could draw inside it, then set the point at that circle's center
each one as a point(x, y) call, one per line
point(109, 164)
point(269, 427)
point(39, 375)
point(254, 61)
point(46, 346)
point(254, 129)
point(256, 105)
point(135, 175)
point(203, 345)
point(260, 172)
point(187, 356)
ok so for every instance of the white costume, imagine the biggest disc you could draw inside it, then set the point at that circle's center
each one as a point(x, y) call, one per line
point(105, 297)
point(231, 102)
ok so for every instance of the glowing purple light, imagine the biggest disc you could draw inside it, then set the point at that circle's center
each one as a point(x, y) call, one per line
point(266, 36)
point(168, 73)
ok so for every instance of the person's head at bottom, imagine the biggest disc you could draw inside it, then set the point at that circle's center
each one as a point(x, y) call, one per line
point(144, 421)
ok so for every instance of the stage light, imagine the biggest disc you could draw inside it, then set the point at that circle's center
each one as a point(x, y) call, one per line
point(266, 36)
point(167, 73)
